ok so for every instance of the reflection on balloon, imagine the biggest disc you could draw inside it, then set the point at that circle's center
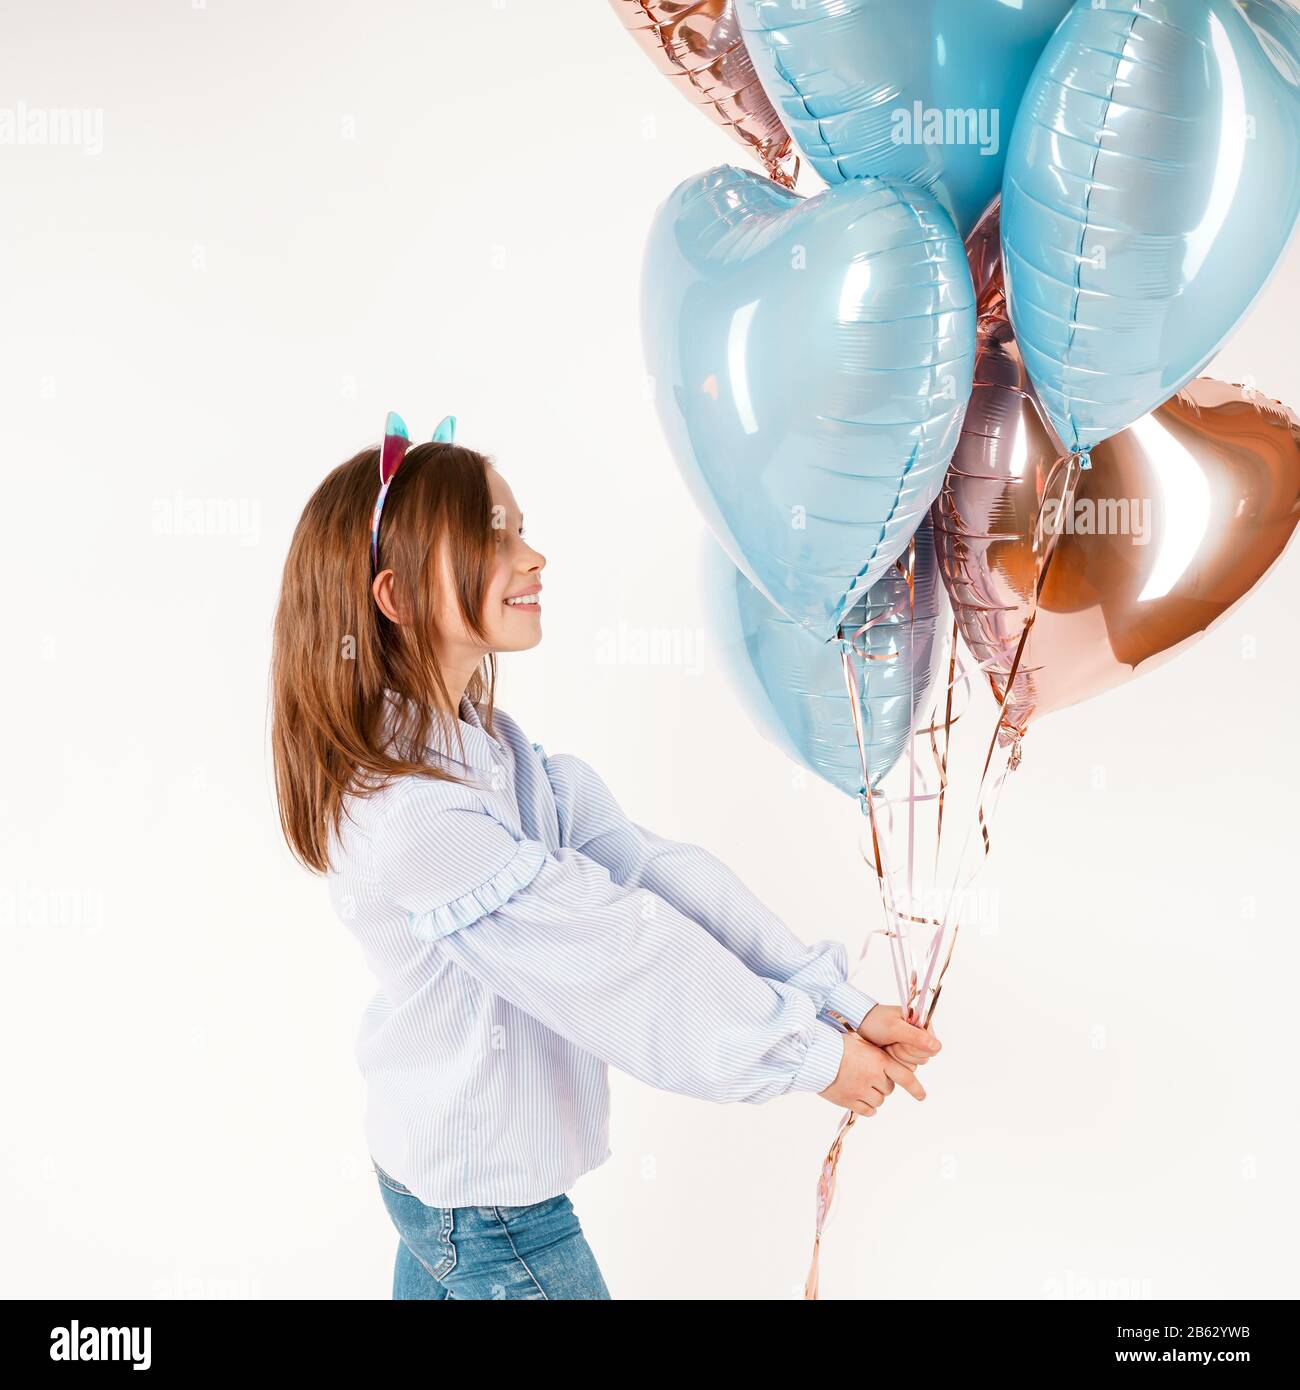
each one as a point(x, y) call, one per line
point(792, 685)
point(921, 90)
point(811, 359)
point(984, 250)
point(1153, 180)
point(1179, 517)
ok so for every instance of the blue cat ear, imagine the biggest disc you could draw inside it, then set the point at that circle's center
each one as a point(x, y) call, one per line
point(446, 431)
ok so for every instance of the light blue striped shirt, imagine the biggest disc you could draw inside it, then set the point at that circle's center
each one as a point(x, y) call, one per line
point(525, 934)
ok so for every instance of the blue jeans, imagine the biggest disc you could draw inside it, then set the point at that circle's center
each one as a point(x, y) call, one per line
point(535, 1251)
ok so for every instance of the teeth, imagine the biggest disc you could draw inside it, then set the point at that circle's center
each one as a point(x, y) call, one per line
point(525, 598)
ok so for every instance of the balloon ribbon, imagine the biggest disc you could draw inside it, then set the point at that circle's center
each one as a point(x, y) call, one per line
point(1074, 463)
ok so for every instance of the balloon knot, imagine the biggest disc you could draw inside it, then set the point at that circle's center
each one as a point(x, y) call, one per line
point(1085, 458)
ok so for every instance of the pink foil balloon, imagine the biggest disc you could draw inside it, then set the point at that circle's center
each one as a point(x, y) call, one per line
point(1178, 518)
point(699, 46)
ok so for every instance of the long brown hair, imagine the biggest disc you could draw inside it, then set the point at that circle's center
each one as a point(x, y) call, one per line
point(334, 652)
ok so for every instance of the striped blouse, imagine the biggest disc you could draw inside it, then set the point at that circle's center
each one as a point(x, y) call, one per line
point(525, 934)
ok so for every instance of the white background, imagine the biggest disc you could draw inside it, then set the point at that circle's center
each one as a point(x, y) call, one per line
point(301, 217)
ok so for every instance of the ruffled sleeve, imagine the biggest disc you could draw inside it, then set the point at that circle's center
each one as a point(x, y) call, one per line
point(617, 971)
point(514, 875)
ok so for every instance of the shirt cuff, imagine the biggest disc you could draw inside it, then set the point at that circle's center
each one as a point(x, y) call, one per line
point(848, 1005)
point(821, 1063)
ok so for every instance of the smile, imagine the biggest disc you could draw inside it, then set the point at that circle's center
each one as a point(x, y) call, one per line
point(524, 601)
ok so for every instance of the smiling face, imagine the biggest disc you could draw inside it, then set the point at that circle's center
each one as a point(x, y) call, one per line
point(510, 616)
point(512, 606)
point(512, 610)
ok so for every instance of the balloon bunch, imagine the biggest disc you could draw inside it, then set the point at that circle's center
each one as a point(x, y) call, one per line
point(966, 375)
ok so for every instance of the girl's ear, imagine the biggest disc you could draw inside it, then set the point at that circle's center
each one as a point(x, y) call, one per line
point(382, 589)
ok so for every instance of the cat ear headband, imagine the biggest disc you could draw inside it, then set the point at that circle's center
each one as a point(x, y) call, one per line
point(391, 453)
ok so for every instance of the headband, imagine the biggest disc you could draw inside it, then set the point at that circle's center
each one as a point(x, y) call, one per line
point(391, 453)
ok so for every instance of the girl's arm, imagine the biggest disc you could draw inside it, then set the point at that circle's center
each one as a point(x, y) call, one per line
point(700, 887)
point(618, 971)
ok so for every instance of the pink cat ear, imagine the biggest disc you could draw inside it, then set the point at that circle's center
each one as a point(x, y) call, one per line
point(393, 451)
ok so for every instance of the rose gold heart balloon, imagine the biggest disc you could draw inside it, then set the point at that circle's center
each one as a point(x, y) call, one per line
point(1177, 520)
point(699, 45)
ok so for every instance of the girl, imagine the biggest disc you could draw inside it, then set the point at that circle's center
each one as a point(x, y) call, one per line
point(524, 932)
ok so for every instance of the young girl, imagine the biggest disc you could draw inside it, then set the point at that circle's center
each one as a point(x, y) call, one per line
point(524, 932)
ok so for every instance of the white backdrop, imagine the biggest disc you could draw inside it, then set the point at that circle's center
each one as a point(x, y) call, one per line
point(288, 219)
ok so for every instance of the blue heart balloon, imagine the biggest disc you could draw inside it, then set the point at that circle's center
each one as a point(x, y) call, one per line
point(1152, 183)
point(792, 686)
point(812, 361)
point(922, 90)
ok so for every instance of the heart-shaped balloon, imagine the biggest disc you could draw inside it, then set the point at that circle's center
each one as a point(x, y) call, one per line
point(698, 45)
point(1152, 183)
point(922, 90)
point(793, 686)
point(1178, 518)
point(811, 360)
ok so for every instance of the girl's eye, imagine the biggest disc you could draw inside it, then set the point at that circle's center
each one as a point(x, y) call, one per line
point(521, 531)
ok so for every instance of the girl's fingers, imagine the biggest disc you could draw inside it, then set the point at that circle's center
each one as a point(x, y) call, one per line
point(909, 1035)
point(905, 1078)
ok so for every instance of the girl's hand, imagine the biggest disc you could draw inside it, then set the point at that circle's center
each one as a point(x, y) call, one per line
point(885, 1026)
point(866, 1076)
